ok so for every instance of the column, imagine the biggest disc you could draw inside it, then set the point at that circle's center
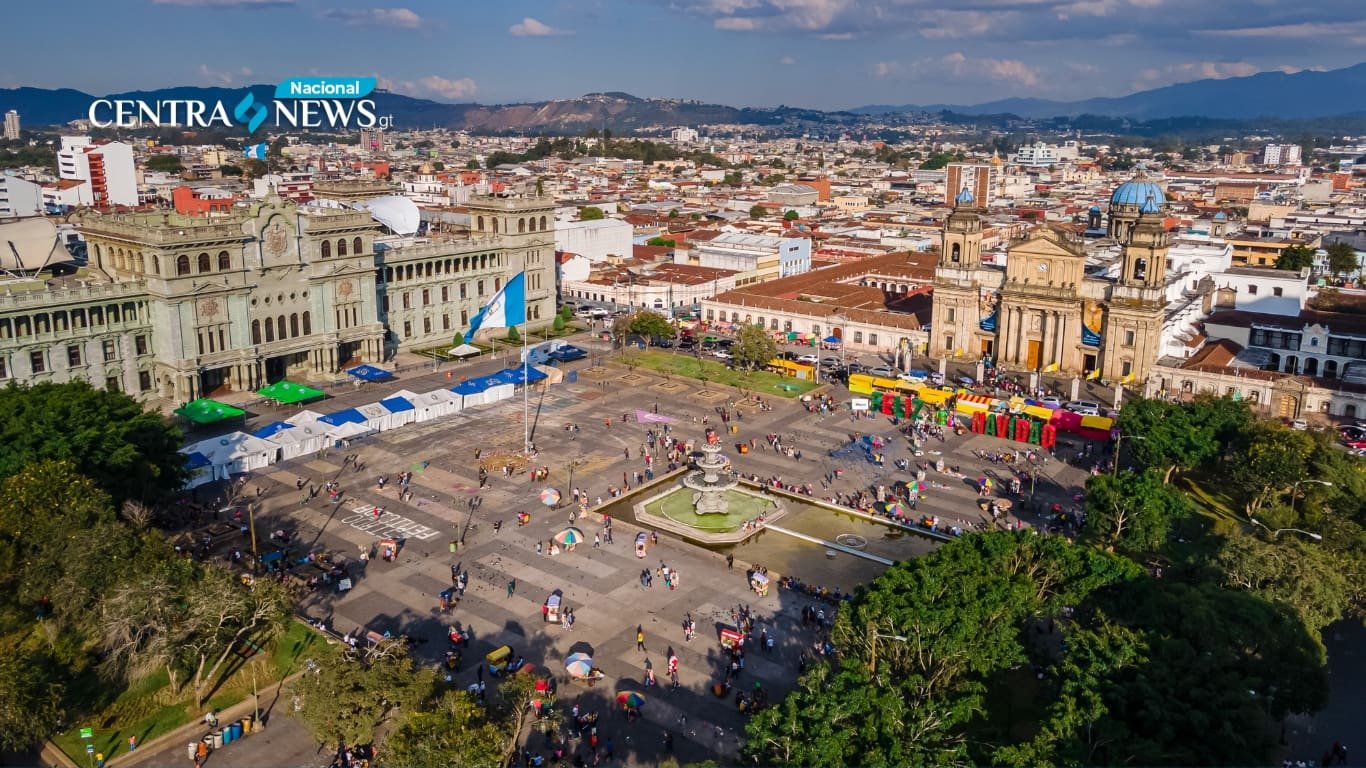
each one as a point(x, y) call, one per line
point(1055, 341)
point(1008, 337)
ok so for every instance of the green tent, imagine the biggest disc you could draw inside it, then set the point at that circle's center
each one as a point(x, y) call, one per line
point(289, 392)
point(208, 411)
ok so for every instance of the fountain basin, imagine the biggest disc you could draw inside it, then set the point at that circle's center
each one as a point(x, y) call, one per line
point(673, 510)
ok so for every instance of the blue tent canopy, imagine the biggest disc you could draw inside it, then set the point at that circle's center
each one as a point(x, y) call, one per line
point(832, 340)
point(370, 373)
point(474, 386)
point(272, 429)
point(197, 460)
point(520, 375)
point(396, 404)
point(348, 416)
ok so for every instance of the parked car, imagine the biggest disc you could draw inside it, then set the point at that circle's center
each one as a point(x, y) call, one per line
point(1299, 424)
point(808, 359)
point(661, 342)
point(568, 353)
point(722, 354)
point(785, 355)
point(831, 362)
point(1084, 407)
point(882, 371)
point(936, 377)
point(686, 345)
point(1051, 402)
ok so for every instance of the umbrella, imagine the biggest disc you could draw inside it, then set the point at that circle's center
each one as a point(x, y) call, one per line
point(921, 485)
point(630, 699)
point(895, 508)
point(578, 664)
point(569, 536)
point(536, 703)
point(966, 380)
point(550, 497)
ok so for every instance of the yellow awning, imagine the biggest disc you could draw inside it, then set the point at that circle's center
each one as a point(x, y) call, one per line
point(1097, 422)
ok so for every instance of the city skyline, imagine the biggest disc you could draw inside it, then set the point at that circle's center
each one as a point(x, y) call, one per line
point(827, 54)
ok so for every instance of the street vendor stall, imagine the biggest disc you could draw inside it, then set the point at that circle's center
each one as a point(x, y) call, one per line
point(759, 583)
point(550, 612)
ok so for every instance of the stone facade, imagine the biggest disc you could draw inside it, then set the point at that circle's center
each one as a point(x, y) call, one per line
point(180, 307)
point(1043, 312)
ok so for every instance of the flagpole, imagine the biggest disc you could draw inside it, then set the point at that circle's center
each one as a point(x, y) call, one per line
point(526, 382)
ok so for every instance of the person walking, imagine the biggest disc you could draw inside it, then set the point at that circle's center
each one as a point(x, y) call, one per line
point(597, 541)
point(512, 587)
point(640, 636)
point(730, 561)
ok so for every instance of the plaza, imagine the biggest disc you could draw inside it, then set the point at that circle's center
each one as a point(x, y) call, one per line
point(603, 585)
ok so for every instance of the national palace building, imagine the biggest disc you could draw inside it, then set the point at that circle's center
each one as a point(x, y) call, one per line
point(1046, 311)
point(177, 307)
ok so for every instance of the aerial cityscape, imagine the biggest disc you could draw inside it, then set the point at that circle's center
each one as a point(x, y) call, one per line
point(703, 383)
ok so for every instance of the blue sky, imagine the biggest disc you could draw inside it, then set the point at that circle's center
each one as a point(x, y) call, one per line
point(816, 53)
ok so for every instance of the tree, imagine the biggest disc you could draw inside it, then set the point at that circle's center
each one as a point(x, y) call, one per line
point(558, 324)
point(230, 170)
point(1342, 259)
point(164, 164)
point(455, 731)
point(591, 213)
point(255, 168)
point(1275, 458)
point(753, 348)
point(666, 242)
point(1296, 257)
point(345, 697)
point(757, 212)
point(1132, 511)
point(514, 334)
point(31, 693)
point(472, 165)
point(566, 312)
point(439, 166)
point(650, 325)
point(1304, 576)
point(1173, 437)
point(673, 213)
point(130, 452)
point(791, 215)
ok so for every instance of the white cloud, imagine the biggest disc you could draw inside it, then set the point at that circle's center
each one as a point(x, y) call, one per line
point(394, 18)
point(1302, 31)
point(433, 86)
point(225, 3)
point(958, 66)
point(886, 69)
point(1086, 8)
point(787, 61)
point(736, 24)
point(529, 27)
point(223, 77)
point(1194, 70)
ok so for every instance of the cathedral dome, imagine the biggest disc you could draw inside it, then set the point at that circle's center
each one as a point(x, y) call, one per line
point(1137, 192)
point(964, 198)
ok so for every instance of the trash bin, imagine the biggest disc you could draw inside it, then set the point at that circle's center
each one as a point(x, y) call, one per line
point(246, 725)
point(734, 428)
point(192, 750)
point(455, 545)
point(227, 734)
point(236, 731)
point(218, 739)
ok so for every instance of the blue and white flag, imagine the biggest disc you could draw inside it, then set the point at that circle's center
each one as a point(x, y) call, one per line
point(255, 151)
point(508, 308)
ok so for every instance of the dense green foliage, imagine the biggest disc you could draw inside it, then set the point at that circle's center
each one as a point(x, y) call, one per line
point(1295, 257)
point(165, 164)
point(1342, 259)
point(754, 348)
point(128, 452)
point(649, 325)
point(591, 213)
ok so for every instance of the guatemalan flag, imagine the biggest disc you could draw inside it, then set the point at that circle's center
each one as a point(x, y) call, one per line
point(507, 309)
point(255, 151)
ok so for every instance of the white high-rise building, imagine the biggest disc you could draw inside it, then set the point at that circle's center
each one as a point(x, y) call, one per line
point(106, 168)
point(1281, 154)
point(684, 134)
point(11, 125)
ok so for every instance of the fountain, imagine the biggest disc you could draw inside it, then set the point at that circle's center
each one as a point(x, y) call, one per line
point(709, 505)
point(707, 479)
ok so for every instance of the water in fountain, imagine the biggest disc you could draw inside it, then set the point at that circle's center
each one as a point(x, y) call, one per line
point(711, 479)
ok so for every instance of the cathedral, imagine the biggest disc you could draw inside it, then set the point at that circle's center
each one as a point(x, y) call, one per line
point(1043, 312)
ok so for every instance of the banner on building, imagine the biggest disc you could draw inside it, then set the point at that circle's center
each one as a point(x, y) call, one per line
point(1092, 321)
point(988, 307)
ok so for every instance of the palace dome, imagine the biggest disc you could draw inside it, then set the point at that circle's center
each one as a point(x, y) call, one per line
point(1137, 192)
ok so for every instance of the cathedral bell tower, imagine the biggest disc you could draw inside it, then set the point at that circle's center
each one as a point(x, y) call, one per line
point(962, 244)
point(1145, 249)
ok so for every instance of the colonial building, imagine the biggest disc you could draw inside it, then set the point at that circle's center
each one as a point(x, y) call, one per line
point(1044, 311)
point(179, 307)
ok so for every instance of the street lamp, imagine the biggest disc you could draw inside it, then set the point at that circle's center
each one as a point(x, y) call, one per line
point(474, 503)
point(843, 330)
point(1296, 486)
point(873, 637)
point(573, 464)
point(1275, 533)
point(1119, 442)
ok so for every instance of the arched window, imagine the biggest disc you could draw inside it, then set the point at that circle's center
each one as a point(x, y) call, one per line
point(204, 263)
point(495, 226)
point(293, 326)
point(542, 223)
point(356, 246)
point(182, 264)
point(531, 224)
point(327, 249)
point(341, 247)
point(955, 253)
point(255, 331)
point(521, 226)
point(479, 223)
point(224, 261)
point(308, 326)
point(156, 264)
point(270, 330)
point(280, 327)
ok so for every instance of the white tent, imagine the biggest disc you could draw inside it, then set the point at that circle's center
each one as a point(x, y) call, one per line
point(304, 417)
point(553, 375)
point(377, 417)
point(301, 440)
point(472, 400)
point(435, 404)
point(402, 409)
point(499, 392)
point(235, 453)
point(348, 431)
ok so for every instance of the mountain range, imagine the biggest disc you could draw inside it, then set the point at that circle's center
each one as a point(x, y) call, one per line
point(1293, 96)
point(1285, 96)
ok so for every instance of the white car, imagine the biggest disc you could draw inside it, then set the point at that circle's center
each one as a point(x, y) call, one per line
point(808, 359)
point(1084, 407)
point(722, 354)
point(882, 372)
point(1051, 402)
point(1299, 424)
